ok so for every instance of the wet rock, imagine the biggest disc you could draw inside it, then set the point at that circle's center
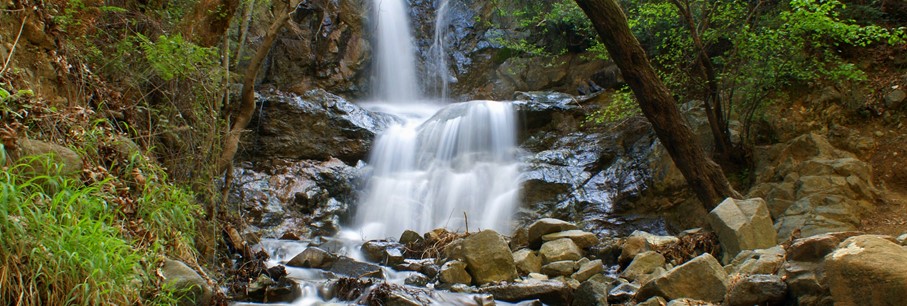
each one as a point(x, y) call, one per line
point(527, 261)
point(561, 249)
point(488, 257)
point(454, 272)
point(653, 301)
point(582, 239)
point(631, 247)
point(265, 289)
point(867, 270)
point(547, 226)
point(549, 292)
point(313, 257)
point(644, 263)
point(410, 237)
point(183, 279)
point(417, 280)
point(700, 278)
point(623, 292)
point(588, 270)
point(743, 225)
point(352, 268)
point(758, 289)
point(316, 125)
point(591, 292)
point(424, 266)
point(764, 261)
point(559, 268)
point(383, 252)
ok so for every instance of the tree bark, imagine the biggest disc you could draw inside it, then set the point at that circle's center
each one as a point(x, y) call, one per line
point(702, 174)
point(208, 21)
point(247, 96)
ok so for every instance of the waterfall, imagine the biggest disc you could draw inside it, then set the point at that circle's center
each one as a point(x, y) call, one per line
point(437, 54)
point(395, 60)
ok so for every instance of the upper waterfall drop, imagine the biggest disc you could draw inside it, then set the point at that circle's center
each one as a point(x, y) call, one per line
point(395, 60)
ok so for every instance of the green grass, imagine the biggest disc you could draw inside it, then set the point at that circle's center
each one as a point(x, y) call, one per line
point(63, 242)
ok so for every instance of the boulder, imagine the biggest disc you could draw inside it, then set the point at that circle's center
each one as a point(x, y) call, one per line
point(316, 125)
point(644, 263)
point(593, 291)
point(356, 269)
point(743, 225)
point(193, 289)
point(623, 292)
point(547, 226)
point(631, 247)
point(814, 248)
point(454, 272)
point(488, 257)
point(588, 270)
point(313, 257)
point(410, 237)
point(894, 99)
point(383, 252)
point(561, 249)
point(654, 301)
point(581, 238)
point(417, 280)
point(688, 302)
point(757, 289)
point(520, 239)
point(69, 162)
point(701, 278)
point(527, 261)
point(655, 241)
point(559, 268)
point(867, 270)
point(549, 292)
point(764, 261)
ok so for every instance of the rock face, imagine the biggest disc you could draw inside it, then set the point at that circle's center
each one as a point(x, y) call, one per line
point(181, 277)
point(488, 257)
point(304, 197)
point(811, 186)
point(867, 270)
point(701, 278)
point(743, 225)
point(316, 125)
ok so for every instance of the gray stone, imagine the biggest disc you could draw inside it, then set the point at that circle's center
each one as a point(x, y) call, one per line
point(561, 249)
point(181, 278)
point(356, 269)
point(591, 292)
point(549, 292)
point(558, 268)
point(867, 270)
point(581, 238)
point(758, 289)
point(701, 278)
point(743, 225)
point(527, 261)
point(764, 261)
point(547, 226)
point(313, 257)
point(454, 272)
point(488, 257)
point(643, 264)
point(588, 270)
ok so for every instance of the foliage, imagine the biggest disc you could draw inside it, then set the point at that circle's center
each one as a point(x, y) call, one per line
point(622, 105)
point(172, 56)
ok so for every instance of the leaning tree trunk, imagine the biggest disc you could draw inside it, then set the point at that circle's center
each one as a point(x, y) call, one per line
point(208, 21)
point(247, 96)
point(657, 104)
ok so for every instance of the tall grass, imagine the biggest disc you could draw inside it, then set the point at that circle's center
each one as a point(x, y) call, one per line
point(63, 242)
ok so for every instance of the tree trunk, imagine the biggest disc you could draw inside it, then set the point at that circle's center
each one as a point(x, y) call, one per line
point(247, 96)
point(657, 104)
point(208, 21)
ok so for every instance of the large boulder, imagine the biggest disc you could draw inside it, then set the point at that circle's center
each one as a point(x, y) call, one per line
point(192, 288)
point(743, 225)
point(701, 278)
point(867, 270)
point(488, 257)
point(69, 163)
point(561, 249)
point(316, 125)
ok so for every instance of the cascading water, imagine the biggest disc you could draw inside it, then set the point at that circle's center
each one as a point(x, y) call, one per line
point(455, 169)
point(395, 60)
point(437, 54)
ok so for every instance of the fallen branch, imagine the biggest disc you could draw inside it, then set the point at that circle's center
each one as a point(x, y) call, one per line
point(16, 43)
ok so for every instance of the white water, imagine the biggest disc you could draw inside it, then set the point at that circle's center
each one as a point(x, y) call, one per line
point(437, 53)
point(395, 60)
